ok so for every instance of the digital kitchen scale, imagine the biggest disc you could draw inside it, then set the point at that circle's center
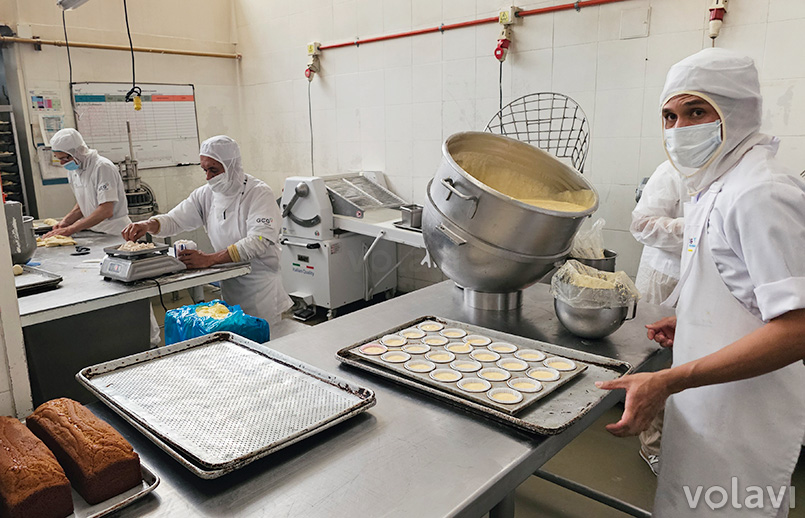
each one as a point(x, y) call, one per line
point(128, 266)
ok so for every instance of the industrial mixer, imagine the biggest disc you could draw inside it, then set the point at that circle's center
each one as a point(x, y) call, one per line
point(500, 214)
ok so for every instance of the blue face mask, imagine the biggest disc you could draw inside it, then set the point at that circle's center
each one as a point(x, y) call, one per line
point(692, 146)
point(71, 165)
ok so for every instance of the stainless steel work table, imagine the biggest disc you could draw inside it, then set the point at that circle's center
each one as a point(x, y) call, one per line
point(410, 455)
point(83, 289)
point(87, 319)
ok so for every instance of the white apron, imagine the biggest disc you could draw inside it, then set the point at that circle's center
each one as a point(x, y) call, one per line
point(732, 435)
point(259, 293)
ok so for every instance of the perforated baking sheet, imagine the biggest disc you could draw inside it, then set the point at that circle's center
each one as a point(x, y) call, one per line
point(221, 401)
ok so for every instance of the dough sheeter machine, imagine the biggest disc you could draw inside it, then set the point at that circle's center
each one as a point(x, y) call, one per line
point(340, 240)
point(130, 266)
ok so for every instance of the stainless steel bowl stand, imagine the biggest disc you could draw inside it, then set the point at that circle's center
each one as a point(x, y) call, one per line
point(493, 301)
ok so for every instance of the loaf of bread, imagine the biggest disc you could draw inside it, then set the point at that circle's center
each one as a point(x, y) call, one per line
point(99, 462)
point(32, 484)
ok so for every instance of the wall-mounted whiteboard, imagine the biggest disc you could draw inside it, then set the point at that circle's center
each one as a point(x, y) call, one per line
point(164, 133)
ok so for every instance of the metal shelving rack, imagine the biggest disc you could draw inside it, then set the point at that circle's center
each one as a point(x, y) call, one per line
point(13, 180)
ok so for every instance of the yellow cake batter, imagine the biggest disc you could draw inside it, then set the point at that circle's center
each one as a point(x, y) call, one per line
point(505, 397)
point(494, 376)
point(459, 348)
point(476, 386)
point(446, 376)
point(485, 357)
point(522, 184)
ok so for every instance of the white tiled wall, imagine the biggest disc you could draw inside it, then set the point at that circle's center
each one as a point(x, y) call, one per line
point(390, 105)
point(206, 27)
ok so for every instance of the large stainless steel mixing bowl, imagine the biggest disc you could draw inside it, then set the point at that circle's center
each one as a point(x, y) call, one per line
point(474, 264)
point(498, 218)
point(490, 243)
point(592, 323)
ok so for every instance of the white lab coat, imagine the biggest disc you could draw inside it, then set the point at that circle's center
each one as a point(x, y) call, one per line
point(96, 181)
point(741, 266)
point(250, 223)
point(657, 223)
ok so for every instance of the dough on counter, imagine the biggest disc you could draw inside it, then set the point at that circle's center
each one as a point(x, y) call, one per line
point(131, 246)
point(55, 241)
point(16, 269)
point(50, 222)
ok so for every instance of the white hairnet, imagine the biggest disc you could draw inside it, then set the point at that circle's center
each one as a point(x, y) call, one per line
point(70, 141)
point(226, 151)
point(728, 81)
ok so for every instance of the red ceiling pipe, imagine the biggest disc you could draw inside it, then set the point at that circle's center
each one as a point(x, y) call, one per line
point(481, 21)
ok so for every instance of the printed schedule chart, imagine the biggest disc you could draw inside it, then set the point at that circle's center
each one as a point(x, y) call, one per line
point(164, 133)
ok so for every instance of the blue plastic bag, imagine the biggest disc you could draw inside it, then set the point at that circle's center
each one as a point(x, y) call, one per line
point(185, 323)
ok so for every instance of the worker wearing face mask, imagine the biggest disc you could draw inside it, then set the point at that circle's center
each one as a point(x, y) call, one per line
point(735, 411)
point(657, 224)
point(242, 219)
point(96, 183)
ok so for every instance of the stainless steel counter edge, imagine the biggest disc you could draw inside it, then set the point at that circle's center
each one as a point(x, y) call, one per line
point(137, 293)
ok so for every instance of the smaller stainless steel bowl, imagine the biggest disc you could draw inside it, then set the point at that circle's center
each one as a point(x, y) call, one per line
point(592, 323)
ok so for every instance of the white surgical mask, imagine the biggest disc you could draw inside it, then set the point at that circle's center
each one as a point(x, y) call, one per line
point(217, 183)
point(692, 146)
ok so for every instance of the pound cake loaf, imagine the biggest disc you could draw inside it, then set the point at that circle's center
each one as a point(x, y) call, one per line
point(32, 484)
point(99, 462)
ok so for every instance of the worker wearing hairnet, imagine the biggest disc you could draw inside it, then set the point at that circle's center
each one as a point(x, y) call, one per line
point(735, 411)
point(96, 183)
point(241, 217)
point(658, 225)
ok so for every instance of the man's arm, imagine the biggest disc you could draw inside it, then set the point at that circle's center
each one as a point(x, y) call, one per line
point(71, 217)
point(773, 346)
point(103, 212)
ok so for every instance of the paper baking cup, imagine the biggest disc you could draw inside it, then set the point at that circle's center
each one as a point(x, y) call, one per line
point(466, 385)
point(549, 374)
point(560, 364)
point(430, 326)
point(440, 356)
point(453, 332)
point(419, 365)
point(416, 348)
point(393, 341)
point(396, 357)
point(530, 355)
point(493, 374)
point(526, 385)
point(505, 396)
point(373, 349)
point(502, 347)
point(466, 365)
point(445, 375)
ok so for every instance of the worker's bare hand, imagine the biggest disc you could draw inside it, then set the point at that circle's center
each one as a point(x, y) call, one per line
point(645, 397)
point(196, 259)
point(64, 231)
point(662, 331)
point(135, 231)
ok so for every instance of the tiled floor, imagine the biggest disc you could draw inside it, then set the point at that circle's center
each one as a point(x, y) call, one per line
point(596, 459)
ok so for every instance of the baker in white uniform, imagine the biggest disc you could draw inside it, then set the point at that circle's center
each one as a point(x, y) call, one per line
point(735, 411)
point(657, 224)
point(242, 220)
point(96, 183)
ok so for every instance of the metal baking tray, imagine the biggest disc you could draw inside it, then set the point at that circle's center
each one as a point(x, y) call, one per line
point(40, 228)
point(218, 402)
point(35, 279)
point(550, 415)
point(114, 252)
point(81, 509)
point(478, 397)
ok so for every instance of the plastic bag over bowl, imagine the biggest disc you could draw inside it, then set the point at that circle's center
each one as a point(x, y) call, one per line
point(585, 287)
